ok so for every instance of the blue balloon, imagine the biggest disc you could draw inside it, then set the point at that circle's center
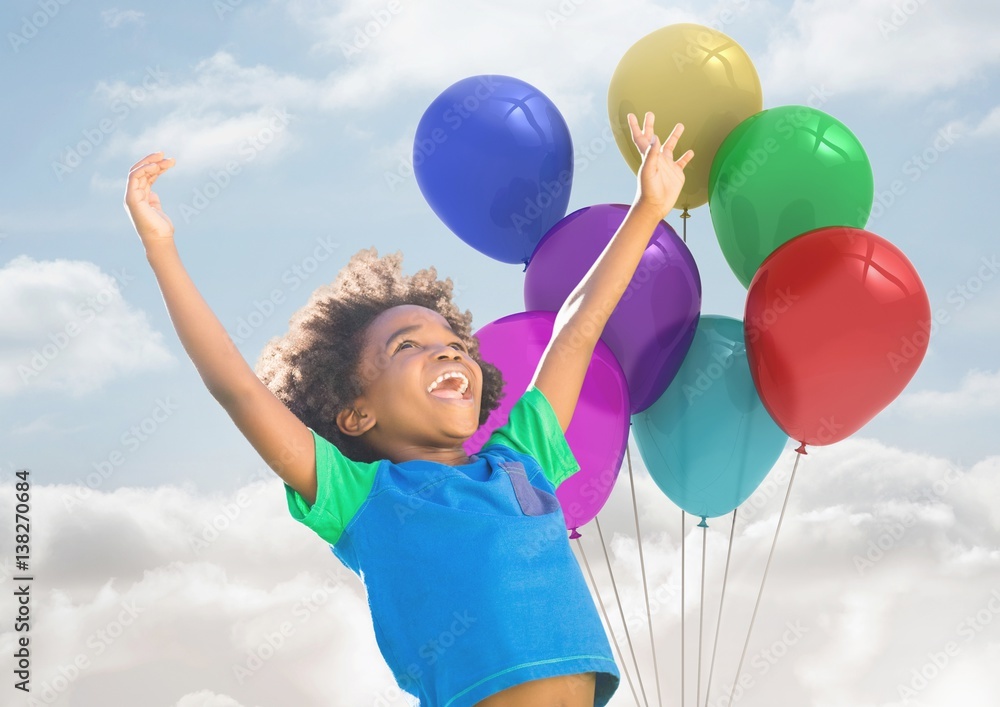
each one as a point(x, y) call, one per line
point(494, 159)
point(708, 441)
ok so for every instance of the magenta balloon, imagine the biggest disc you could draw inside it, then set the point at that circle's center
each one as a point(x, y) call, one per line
point(598, 432)
point(651, 329)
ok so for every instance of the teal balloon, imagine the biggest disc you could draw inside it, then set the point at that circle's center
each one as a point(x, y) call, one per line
point(708, 442)
point(780, 173)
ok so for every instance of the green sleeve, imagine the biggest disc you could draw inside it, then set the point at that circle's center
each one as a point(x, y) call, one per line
point(533, 429)
point(342, 485)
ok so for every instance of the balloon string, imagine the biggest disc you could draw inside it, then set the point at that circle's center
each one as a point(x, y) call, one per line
point(684, 229)
point(621, 612)
point(682, 606)
point(725, 576)
point(642, 566)
point(701, 607)
point(764, 579)
point(607, 622)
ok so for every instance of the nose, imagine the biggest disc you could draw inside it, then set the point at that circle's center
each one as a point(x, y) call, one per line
point(447, 352)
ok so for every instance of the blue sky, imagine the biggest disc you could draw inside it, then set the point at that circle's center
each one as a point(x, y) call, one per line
point(204, 90)
point(316, 134)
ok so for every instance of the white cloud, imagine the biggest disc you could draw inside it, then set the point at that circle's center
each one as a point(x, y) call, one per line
point(517, 39)
point(988, 126)
point(218, 82)
point(828, 632)
point(44, 424)
point(226, 113)
point(67, 327)
point(216, 600)
point(207, 698)
point(116, 18)
point(875, 541)
point(898, 48)
point(209, 141)
point(978, 392)
point(208, 114)
point(110, 185)
point(860, 45)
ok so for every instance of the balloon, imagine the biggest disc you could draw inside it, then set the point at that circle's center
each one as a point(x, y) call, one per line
point(837, 322)
point(783, 172)
point(708, 442)
point(690, 74)
point(598, 432)
point(650, 329)
point(494, 159)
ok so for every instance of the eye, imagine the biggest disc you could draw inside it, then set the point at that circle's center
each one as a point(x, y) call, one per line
point(460, 346)
point(405, 343)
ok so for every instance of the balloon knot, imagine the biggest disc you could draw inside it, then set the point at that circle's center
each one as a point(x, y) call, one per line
point(525, 265)
point(703, 524)
point(802, 448)
point(573, 534)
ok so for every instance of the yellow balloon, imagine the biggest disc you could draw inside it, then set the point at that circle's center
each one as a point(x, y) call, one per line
point(690, 74)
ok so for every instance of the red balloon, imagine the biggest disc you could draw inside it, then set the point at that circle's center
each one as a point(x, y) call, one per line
point(837, 322)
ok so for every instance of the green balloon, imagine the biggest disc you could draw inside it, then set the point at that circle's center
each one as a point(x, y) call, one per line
point(780, 173)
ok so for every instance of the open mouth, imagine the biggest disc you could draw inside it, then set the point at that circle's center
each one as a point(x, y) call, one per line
point(452, 385)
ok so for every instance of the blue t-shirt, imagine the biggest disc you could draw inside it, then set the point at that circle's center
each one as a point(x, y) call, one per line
point(471, 582)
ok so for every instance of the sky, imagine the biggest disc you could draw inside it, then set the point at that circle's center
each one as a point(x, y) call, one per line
point(167, 569)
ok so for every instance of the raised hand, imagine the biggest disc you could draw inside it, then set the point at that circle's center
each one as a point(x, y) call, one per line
point(142, 203)
point(660, 175)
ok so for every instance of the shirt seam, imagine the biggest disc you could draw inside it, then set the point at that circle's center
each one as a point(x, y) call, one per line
point(526, 665)
point(564, 444)
point(416, 492)
point(439, 480)
point(534, 399)
point(541, 469)
point(315, 515)
point(518, 453)
point(361, 509)
point(320, 507)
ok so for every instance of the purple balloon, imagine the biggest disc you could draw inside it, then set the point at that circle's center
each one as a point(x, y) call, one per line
point(598, 432)
point(651, 329)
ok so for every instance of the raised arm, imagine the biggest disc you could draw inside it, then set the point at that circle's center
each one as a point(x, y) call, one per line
point(582, 317)
point(280, 438)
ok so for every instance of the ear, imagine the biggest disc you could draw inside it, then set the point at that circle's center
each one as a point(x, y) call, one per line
point(355, 421)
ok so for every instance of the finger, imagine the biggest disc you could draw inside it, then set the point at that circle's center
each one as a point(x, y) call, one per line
point(151, 170)
point(637, 136)
point(672, 139)
point(144, 171)
point(640, 139)
point(652, 148)
point(647, 124)
point(138, 183)
point(164, 165)
point(685, 158)
point(140, 180)
point(148, 158)
point(152, 178)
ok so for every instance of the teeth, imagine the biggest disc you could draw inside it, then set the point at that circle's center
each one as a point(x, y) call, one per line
point(450, 374)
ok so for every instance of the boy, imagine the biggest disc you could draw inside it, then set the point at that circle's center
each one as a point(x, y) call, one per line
point(362, 411)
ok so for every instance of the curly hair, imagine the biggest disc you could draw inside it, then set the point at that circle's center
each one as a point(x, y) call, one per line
point(316, 368)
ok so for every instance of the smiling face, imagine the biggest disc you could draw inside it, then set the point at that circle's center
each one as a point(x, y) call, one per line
point(422, 388)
